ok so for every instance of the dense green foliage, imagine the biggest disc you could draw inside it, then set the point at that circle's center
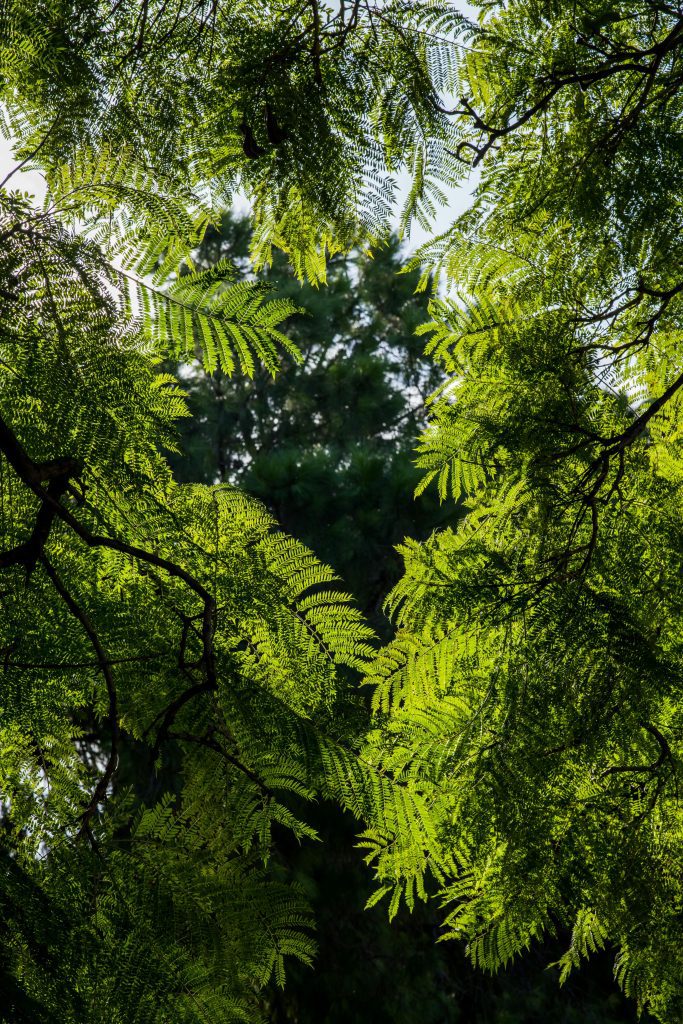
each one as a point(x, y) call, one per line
point(525, 753)
point(533, 693)
point(161, 634)
point(311, 110)
point(310, 465)
point(327, 444)
point(178, 616)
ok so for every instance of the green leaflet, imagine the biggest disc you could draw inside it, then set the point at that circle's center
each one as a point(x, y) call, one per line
point(310, 111)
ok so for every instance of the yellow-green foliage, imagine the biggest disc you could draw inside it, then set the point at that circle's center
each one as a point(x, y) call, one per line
point(167, 653)
point(532, 696)
point(524, 758)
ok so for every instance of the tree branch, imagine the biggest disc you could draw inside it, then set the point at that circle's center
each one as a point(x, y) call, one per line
point(100, 791)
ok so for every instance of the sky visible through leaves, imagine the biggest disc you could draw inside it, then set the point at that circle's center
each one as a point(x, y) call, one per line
point(32, 181)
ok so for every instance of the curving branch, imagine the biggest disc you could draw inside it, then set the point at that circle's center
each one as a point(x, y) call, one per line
point(612, 312)
point(645, 62)
point(169, 714)
point(58, 473)
point(593, 480)
point(652, 768)
point(100, 791)
point(32, 474)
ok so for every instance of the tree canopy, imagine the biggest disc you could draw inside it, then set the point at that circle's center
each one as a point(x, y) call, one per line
point(327, 443)
point(523, 757)
point(311, 109)
point(335, 466)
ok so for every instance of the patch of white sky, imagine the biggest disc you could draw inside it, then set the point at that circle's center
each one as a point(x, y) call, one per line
point(25, 180)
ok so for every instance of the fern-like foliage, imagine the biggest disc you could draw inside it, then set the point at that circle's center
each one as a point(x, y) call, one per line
point(146, 232)
point(176, 670)
point(311, 108)
point(172, 662)
point(532, 695)
point(525, 755)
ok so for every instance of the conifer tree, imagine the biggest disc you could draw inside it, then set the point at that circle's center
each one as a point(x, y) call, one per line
point(525, 757)
point(327, 443)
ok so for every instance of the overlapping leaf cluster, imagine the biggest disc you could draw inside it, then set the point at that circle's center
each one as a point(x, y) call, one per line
point(170, 669)
point(310, 107)
point(174, 668)
point(533, 694)
point(526, 751)
point(171, 683)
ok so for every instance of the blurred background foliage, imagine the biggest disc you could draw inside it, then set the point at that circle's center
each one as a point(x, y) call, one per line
point(327, 445)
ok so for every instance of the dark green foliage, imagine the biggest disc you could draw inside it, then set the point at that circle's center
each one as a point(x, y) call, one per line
point(136, 611)
point(368, 970)
point(525, 755)
point(326, 443)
